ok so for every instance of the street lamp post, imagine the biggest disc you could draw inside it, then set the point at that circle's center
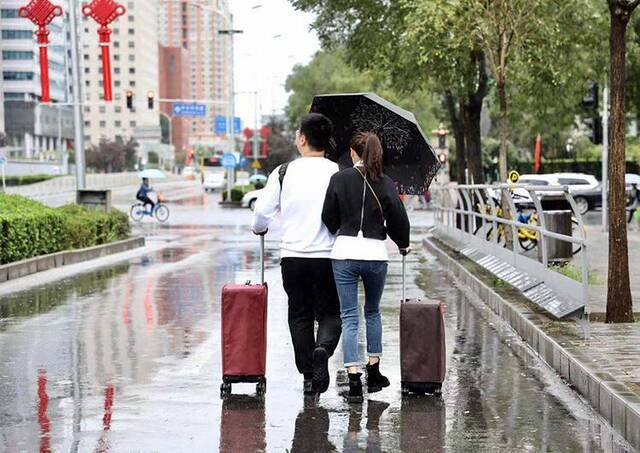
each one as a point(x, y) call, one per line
point(231, 32)
point(78, 123)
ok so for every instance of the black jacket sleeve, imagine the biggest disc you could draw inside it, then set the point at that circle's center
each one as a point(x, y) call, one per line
point(398, 227)
point(331, 209)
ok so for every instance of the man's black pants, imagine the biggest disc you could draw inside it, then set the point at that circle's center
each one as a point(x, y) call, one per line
point(313, 297)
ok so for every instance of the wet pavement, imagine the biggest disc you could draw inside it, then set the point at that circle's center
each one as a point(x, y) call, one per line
point(127, 358)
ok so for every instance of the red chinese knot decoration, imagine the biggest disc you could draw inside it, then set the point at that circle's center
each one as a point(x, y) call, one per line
point(265, 131)
point(41, 13)
point(104, 12)
point(248, 133)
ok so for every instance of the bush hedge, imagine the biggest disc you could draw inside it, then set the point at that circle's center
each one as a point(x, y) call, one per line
point(29, 228)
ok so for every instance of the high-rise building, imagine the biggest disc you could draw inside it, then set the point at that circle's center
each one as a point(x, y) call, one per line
point(194, 25)
point(175, 83)
point(134, 62)
point(36, 130)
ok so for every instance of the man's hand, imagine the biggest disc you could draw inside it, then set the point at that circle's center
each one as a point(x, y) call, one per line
point(405, 252)
point(260, 234)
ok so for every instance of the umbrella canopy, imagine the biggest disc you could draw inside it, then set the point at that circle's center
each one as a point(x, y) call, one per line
point(632, 178)
point(409, 159)
point(255, 178)
point(152, 173)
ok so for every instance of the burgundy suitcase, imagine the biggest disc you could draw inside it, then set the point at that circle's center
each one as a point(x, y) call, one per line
point(244, 333)
point(422, 344)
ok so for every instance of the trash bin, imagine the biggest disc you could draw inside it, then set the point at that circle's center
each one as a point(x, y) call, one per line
point(557, 251)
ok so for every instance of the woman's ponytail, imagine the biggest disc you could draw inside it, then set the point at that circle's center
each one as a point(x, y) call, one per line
point(368, 147)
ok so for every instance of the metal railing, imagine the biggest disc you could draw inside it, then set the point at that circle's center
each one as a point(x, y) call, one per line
point(461, 210)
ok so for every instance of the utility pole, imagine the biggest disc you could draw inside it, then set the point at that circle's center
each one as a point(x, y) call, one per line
point(605, 157)
point(78, 122)
point(255, 129)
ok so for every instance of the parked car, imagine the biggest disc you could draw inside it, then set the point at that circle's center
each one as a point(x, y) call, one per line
point(584, 188)
point(214, 181)
point(250, 198)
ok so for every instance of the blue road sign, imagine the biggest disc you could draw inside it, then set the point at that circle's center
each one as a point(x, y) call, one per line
point(189, 109)
point(221, 125)
point(228, 160)
point(237, 125)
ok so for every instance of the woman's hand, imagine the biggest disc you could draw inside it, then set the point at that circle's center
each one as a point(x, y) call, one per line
point(405, 252)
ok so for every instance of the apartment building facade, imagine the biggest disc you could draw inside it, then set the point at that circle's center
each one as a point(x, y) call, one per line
point(34, 130)
point(194, 25)
point(134, 62)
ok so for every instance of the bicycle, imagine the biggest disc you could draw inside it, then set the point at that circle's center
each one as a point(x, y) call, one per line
point(528, 238)
point(160, 211)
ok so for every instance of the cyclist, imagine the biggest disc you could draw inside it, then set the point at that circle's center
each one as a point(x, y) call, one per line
point(143, 194)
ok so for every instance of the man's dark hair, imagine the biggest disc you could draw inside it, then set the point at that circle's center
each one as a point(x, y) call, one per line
point(317, 129)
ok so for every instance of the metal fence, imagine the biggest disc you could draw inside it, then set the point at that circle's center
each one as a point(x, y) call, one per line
point(462, 211)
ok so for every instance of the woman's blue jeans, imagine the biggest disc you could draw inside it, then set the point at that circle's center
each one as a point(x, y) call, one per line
point(347, 273)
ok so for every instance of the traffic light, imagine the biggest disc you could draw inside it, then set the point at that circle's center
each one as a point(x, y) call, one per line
point(150, 98)
point(130, 99)
point(594, 127)
point(590, 100)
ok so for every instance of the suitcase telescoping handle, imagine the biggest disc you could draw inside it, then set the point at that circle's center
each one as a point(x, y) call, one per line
point(404, 274)
point(262, 258)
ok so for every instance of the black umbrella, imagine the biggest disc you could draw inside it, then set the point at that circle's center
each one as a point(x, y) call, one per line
point(409, 159)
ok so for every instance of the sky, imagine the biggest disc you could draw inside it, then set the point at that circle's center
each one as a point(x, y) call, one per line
point(275, 38)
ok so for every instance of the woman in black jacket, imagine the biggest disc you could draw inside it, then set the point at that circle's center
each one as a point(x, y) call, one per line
point(362, 207)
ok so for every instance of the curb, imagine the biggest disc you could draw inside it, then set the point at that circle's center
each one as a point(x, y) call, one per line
point(31, 266)
point(610, 398)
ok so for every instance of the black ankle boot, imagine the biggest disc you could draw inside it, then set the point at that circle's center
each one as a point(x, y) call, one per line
point(355, 388)
point(375, 380)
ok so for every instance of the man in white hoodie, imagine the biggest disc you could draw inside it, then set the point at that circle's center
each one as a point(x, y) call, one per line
point(296, 191)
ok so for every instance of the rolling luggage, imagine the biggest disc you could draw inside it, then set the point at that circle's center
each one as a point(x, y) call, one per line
point(244, 333)
point(422, 344)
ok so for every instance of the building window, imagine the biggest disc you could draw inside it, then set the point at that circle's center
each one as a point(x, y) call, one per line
point(87, 109)
point(116, 83)
point(86, 70)
point(87, 124)
point(87, 83)
point(86, 57)
point(132, 45)
point(132, 70)
point(103, 109)
point(132, 83)
point(131, 31)
point(132, 58)
point(118, 124)
point(132, 123)
point(6, 13)
point(103, 124)
point(116, 44)
point(117, 109)
point(17, 75)
point(17, 34)
point(116, 57)
point(17, 55)
point(131, 18)
point(116, 70)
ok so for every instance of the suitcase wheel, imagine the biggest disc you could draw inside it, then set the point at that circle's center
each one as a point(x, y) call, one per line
point(404, 390)
point(225, 389)
point(261, 387)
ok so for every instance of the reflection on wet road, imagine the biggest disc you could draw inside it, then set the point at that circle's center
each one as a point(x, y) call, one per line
point(127, 358)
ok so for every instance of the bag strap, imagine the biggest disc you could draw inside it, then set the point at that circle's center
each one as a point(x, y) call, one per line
point(372, 191)
point(281, 172)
